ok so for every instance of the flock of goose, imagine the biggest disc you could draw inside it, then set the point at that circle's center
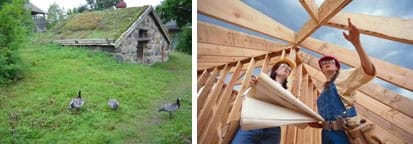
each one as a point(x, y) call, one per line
point(77, 103)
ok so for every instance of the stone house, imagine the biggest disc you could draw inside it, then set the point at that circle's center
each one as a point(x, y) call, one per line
point(144, 39)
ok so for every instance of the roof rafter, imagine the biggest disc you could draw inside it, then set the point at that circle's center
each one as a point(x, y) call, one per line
point(311, 7)
point(240, 14)
point(326, 11)
point(390, 28)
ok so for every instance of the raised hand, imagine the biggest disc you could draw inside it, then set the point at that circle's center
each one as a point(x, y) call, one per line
point(354, 34)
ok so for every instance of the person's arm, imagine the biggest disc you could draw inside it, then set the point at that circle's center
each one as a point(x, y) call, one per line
point(354, 38)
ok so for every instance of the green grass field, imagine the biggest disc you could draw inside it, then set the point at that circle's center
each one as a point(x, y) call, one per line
point(38, 104)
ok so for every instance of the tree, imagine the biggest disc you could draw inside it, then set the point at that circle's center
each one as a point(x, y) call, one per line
point(184, 43)
point(101, 4)
point(181, 12)
point(54, 15)
point(15, 26)
point(178, 10)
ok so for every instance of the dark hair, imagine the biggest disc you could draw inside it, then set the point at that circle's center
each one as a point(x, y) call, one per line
point(273, 74)
point(332, 79)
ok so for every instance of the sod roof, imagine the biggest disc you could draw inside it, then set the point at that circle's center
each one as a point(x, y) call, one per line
point(110, 23)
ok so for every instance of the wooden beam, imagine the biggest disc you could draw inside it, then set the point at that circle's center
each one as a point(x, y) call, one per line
point(302, 134)
point(202, 79)
point(259, 57)
point(311, 7)
point(242, 15)
point(208, 65)
point(387, 113)
point(388, 137)
point(220, 108)
point(219, 59)
point(291, 134)
point(392, 73)
point(390, 28)
point(245, 84)
point(213, 34)
point(265, 64)
point(258, 63)
point(204, 109)
point(386, 125)
point(326, 11)
point(203, 93)
point(235, 113)
point(205, 49)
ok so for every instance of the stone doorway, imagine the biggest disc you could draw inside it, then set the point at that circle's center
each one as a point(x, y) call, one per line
point(139, 51)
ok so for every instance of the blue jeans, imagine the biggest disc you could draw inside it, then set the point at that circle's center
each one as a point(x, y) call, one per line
point(258, 136)
point(334, 137)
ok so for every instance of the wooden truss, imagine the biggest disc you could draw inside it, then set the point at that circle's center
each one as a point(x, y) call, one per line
point(227, 59)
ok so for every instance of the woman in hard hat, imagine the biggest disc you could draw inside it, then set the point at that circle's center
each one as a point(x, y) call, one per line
point(279, 73)
point(336, 102)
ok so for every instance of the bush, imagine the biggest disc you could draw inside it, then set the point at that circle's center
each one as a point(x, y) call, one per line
point(15, 25)
point(185, 41)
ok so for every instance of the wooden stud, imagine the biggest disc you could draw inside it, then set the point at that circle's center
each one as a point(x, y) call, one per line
point(203, 93)
point(220, 107)
point(265, 64)
point(234, 115)
point(202, 79)
point(291, 134)
point(213, 95)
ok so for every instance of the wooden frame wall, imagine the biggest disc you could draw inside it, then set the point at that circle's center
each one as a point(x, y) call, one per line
point(231, 53)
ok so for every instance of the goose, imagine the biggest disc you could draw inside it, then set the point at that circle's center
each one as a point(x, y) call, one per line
point(170, 107)
point(113, 103)
point(76, 102)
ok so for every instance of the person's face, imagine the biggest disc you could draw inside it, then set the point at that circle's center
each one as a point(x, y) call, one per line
point(328, 66)
point(283, 70)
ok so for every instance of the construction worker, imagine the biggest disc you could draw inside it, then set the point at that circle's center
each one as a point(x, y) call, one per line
point(279, 73)
point(336, 102)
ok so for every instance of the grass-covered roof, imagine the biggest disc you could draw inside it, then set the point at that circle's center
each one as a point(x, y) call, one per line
point(110, 23)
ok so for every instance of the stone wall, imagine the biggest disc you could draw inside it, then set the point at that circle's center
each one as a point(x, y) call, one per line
point(152, 42)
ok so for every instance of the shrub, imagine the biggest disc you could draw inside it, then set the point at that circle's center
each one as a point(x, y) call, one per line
point(15, 25)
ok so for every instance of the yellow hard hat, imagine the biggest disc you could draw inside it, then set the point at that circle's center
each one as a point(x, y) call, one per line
point(285, 59)
point(288, 61)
